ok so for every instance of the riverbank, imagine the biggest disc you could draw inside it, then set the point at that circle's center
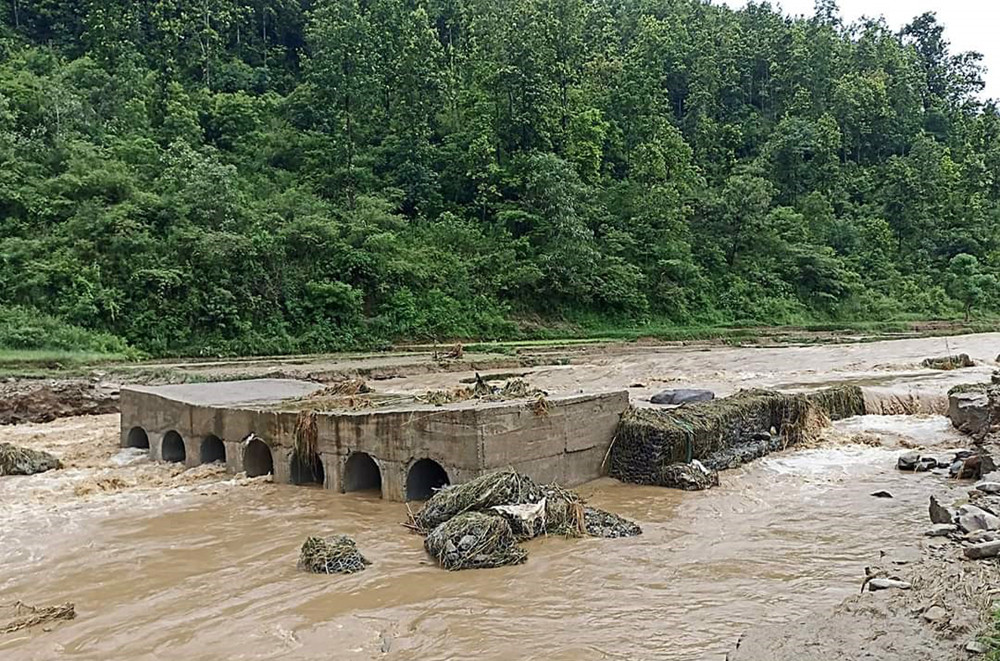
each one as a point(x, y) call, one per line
point(941, 600)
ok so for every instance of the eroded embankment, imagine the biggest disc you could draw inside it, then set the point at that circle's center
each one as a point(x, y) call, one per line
point(935, 598)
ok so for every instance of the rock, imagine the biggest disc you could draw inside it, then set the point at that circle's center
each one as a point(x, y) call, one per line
point(15, 460)
point(975, 647)
point(983, 550)
point(970, 467)
point(942, 530)
point(877, 584)
point(971, 518)
point(939, 513)
point(935, 614)
point(689, 477)
point(913, 462)
point(682, 396)
point(882, 494)
point(969, 411)
point(989, 487)
point(908, 461)
point(980, 536)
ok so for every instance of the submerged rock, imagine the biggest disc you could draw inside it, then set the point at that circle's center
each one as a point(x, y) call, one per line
point(608, 525)
point(689, 477)
point(682, 396)
point(23, 461)
point(882, 494)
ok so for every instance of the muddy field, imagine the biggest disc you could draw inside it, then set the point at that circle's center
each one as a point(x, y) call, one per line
point(163, 562)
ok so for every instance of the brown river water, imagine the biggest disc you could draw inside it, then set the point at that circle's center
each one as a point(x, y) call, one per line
point(164, 563)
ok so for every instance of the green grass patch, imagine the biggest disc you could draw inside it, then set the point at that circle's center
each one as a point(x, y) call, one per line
point(991, 638)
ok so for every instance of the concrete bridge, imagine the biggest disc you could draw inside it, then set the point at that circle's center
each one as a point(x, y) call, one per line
point(404, 452)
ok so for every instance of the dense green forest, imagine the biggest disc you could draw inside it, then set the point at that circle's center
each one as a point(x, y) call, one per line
point(258, 176)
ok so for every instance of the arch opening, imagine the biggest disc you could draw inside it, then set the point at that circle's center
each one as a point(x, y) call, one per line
point(173, 447)
point(424, 478)
point(213, 450)
point(257, 459)
point(361, 473)
point(137, 438)
point(307, 469)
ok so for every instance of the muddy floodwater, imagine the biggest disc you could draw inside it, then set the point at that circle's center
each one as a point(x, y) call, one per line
point(163, 563)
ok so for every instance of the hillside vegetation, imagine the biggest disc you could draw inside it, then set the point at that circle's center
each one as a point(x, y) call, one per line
point(265, 176)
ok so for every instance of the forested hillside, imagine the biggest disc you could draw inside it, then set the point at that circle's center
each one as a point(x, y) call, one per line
point(204, 176)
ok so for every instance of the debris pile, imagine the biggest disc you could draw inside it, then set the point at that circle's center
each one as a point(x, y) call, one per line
point(948, 362)
point(331, 555)
point(19, 615)
point(722, 433)
point(513, 389)
point(478, 524)
point(15, 460)
point(347, 395)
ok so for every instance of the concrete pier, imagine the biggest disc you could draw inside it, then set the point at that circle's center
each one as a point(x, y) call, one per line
point(403, 451)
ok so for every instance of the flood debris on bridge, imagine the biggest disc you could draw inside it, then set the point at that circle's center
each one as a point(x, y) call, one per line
point(684, 448)
point(479, 524)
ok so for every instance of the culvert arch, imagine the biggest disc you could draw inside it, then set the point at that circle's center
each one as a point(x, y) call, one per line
point(306, 469)
point(257, 458)
point(137, 438)
point(361, 473)
point(424, 478)
point(172, 448)
point(212, 450)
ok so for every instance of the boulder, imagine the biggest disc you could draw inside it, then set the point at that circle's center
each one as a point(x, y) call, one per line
point(939, 513)
point(882, 494)
point(969, 411)
point(984, 550)
point(682, 396)
point(970, 467)
point(989, 487)
point(971, 518)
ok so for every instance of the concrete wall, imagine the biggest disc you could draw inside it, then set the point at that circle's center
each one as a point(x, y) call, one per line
point(565, 442)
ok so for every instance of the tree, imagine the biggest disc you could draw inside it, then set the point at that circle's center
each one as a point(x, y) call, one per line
point(967, 283)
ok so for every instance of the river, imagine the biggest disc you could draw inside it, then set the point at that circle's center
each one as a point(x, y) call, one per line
point(198, 565)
